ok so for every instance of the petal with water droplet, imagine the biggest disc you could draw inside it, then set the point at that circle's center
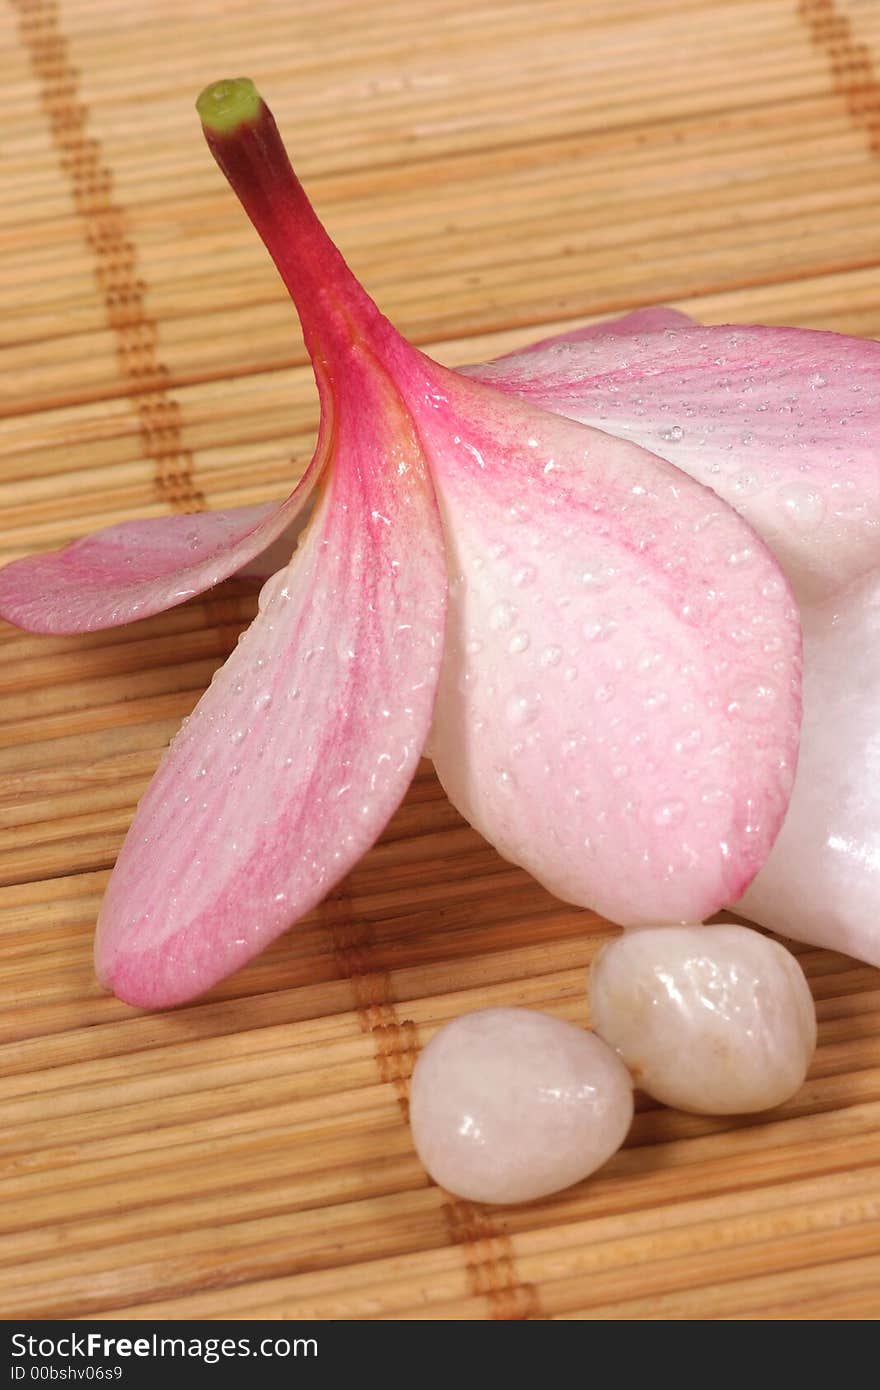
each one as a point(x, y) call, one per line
point(782, 423)
point(568, 752)
point(655, 319)
point(139, 568)
point(307, 738)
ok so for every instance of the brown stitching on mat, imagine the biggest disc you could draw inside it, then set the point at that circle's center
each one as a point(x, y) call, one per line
point(852, 69)
point(116, 263)
point(395, 1040)
point(487, 1253)
point(490, 1261)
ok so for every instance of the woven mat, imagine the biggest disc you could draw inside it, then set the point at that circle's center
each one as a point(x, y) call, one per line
point(492, 170)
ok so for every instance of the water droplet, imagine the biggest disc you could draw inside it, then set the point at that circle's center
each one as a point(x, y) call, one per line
point(518, 643)
point(473, 647)
point(739, 558)
point(603, 694)
point(752, 702)
point(504, 779)
point(551, 656)
point(263, 700)
point(669, 813)
point(524, 575)
point(599, 576)
point(715, 796)
point(655, 699)
point(673, 435)
point(238, 736)
point(523, 707)
point(686, 740)
point(746, 484)
point(502, 616)
point(773, 588)
point(802, 505)
point(817, 381)
point(599, 629)
point(649, 661)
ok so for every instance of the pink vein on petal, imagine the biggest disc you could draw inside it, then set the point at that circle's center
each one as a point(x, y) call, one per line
point(782, 423)
point(620, 699)
point(307, 738)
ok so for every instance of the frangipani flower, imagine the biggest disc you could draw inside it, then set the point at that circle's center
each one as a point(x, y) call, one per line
point(605, 652)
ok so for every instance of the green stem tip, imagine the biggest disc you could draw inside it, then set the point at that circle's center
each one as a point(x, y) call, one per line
point(226, 105)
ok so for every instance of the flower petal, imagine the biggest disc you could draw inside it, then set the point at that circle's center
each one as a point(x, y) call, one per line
point(139, 568)
point(307, 738)
point(619, 704)
point(783, 423)
point(653, 320)
point(821, 882)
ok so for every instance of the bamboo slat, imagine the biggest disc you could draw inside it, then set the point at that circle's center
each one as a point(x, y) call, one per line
point(495, 172)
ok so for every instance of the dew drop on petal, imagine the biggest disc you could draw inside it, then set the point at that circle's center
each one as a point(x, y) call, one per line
point(753, 703)
point(523, 707)
point(668, 813)
point(773, 588)
point(502, 616)
point(802, 505)
point(524, 575)
point(740, 558)
point(599, 629)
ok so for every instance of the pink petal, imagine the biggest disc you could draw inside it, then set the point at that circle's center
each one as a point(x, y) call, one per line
point(139, 568)
point(619, 704)
point(653, 320)
point(783, 423)
point(307, 738)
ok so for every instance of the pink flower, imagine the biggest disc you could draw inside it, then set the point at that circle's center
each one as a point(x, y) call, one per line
point(605, 652)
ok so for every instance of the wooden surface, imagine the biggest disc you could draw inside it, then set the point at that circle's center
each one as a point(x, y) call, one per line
point(492, 170)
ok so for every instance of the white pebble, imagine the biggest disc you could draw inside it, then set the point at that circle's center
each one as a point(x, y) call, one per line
point(717, 1020)
point(507, 1105)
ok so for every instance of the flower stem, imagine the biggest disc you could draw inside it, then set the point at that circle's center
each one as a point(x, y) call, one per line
point(335, 311)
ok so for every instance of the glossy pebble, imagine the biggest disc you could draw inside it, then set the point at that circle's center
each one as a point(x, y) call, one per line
point(508, 1105)
point(717, 1020)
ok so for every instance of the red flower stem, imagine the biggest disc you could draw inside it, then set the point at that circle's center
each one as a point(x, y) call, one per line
point(335, 311)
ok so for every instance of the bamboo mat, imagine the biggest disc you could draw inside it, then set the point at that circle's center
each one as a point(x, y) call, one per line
point(493, 171)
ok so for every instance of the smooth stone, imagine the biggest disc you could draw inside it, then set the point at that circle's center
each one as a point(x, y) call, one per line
point(507, 1105)
point(718, 1020)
